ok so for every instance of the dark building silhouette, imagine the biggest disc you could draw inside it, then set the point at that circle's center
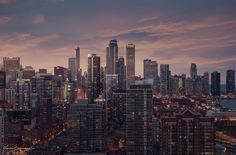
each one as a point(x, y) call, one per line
point(187, 133)
point(230, 81)
point(215, 84)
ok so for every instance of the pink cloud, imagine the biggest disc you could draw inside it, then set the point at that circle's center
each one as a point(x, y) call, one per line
point(38, 19)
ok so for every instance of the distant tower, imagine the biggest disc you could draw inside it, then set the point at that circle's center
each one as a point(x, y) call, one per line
point(72, 68)
point(150, 71)
point(2, 85)
point(165, 79)
point(120, 66)
point(94, 84)
point(193, 71)
point(230, 81)
point(77, 50)
point(10, 66)
point(215, 84)
point(111, 57)
point(130, 64)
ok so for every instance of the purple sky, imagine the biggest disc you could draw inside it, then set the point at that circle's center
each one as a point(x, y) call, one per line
point(44, 33)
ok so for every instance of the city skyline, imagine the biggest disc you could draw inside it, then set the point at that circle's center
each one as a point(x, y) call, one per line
point(38, 31)
point(117, 77)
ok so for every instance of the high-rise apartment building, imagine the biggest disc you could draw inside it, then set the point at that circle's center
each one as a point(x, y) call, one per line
point(85, 128)
point(94, 83)
point(139, 129)
point(187, 133)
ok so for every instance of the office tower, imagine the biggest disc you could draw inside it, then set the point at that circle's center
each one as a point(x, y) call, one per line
point(60, 71)
point(10, 66)
point(85, 128)
point(193, 70)
point(77, 53)
point(10, 95)
point(120, 66)
point(2, 85)
point(111, 57)
point(174, 85)
point(198, 86)
point(58, 87)
point(72, 68)
point(45, 116)
point(111, 87)
point(150, 71)
point(93, 77)
point(28, 72)
point(130, 64)
point(187, 132)
point(119, 107)
point(215, 84)
point(21, 89)
point(43, 71)
point(165, 79)
point(189, 87)
point(42, 85)
point(139, 109)
point(206, 83)
point(103, 81)
point(230, 81)
point(3, 129)
point(69, 92)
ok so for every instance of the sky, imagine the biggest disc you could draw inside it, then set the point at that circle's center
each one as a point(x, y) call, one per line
point(44, 33)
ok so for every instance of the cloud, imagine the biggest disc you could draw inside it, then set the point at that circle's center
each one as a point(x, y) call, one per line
point(7, 1)
point(4, 19)
point(38, 19)
point(24, 43)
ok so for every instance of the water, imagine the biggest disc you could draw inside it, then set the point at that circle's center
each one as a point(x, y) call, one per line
point(228, 104)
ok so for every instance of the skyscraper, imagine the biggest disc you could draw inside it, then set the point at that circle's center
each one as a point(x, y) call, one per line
point(3, 129)
point(193, 71)
point(215, 84)
point(165, 79)
point(120, 66)
point(42, 85)
point(230, 81)
point(94, 82)
point(2, 85)
point(150, 71)
point(10, 66)
point(206, 83)
point(130, 64)
point(85, 128)
point(111, 57)
point(139, 109)
point(28, 72)
point(60, 71)
point(72, 68)
point(111, 87)
point(77, 50)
